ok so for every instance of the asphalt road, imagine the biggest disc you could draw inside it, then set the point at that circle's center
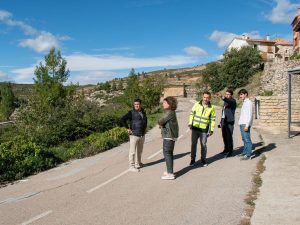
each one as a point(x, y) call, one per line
point(101, 190)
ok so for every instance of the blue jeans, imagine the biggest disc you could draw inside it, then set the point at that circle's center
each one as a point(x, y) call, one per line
point(247, 140)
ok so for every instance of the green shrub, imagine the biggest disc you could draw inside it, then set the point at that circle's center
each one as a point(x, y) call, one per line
point(21, 157)
point(295, 56)
point(267, 93)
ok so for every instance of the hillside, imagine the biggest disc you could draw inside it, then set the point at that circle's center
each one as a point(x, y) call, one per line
point(180, 76)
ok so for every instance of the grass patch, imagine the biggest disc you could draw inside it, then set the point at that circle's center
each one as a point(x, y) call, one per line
point(252, 194)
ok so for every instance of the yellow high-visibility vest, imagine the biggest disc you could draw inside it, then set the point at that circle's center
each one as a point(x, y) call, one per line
point(203, 117)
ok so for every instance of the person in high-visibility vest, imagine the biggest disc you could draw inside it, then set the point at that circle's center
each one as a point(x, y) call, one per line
point(202, 123)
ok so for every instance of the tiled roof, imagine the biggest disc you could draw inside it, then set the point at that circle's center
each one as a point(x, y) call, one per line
point(282, 41)
point(261, 41)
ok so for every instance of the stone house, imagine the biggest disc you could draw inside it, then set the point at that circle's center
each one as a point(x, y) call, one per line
point(277, 50)
point(296, 32)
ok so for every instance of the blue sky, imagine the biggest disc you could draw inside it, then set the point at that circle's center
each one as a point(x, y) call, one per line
point(103, 39)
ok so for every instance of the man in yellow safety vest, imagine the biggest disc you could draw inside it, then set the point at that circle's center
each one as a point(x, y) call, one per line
point(202, 123)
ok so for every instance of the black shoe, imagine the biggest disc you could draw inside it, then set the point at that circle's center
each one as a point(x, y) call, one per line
point(192, 163)
point(224, 152)
point(204, 163)
point(228, 155)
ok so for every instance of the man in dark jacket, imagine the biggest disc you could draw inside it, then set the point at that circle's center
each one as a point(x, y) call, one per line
point(227, 122)
point(136, 129)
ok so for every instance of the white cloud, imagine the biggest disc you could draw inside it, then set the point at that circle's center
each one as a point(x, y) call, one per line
point(4, 77)
point(42, 43)
point(219, 57)
point(92, 77)
point(24, 75)
point(6, 18)
point(253, 35)
point(4, 15)
point(112, 49)
point(103, 66)
point(283, 12)
point(195, 51)
point(81, 62)
point(223, 38)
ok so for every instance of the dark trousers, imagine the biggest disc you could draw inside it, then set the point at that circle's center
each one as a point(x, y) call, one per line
point(202, 135)
point(227, 132)
point(168, 148)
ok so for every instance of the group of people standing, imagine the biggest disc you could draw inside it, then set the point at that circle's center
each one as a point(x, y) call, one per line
point(201, 121)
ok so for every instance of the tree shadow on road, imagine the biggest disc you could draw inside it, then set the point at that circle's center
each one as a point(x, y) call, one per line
point(178, 156)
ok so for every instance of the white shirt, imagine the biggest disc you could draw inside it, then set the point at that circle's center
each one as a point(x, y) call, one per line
point(246, 116)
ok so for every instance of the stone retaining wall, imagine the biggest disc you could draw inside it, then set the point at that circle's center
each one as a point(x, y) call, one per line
point(273, 110)
point(175, 92)
point(275, 77)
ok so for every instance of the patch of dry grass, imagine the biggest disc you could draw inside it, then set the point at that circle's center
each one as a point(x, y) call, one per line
point(252, 194)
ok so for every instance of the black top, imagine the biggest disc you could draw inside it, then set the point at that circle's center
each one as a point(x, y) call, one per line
point(229, 109)
point(137, 122)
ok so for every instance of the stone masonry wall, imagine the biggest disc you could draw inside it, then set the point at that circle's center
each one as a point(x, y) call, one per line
point(275, 77)
point(174, 91)
point(273, 110)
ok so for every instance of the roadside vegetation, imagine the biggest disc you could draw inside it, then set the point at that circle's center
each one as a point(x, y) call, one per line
point(57, 123)
point(234, 70)
point(8, 101)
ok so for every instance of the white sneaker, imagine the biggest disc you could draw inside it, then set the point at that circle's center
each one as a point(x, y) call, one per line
point(168, 177)
point(133, 169)
point(138, 166)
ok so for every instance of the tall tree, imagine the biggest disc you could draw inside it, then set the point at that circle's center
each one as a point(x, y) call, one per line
point(240, 65)
point(133, 89)
point(50, 77)
point(235, 70)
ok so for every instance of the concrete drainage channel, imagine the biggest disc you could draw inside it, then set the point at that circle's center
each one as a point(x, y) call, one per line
point(253, 193)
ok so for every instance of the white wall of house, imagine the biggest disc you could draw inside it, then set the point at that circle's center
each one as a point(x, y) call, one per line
point(237, 43)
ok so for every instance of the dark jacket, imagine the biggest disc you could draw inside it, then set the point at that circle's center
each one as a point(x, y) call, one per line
point(137, 123)
point(229, 109)
point(169, 125)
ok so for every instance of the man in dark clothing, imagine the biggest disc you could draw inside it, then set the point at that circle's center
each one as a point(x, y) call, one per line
point(137, 119)
point(227, 122)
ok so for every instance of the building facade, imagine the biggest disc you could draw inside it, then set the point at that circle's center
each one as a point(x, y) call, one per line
point(277, 50)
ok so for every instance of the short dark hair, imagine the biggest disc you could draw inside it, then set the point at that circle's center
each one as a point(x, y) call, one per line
point(243, 91)
point(207, 93)
point(137, 100)
point(229, 91)
point(172, 102)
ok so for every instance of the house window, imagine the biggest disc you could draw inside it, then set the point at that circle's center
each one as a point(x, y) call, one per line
point(255, 46)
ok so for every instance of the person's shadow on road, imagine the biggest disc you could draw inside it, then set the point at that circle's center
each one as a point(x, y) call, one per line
point(188, 168)
point(263, 149)
point(259, 149)
point(178, 156)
